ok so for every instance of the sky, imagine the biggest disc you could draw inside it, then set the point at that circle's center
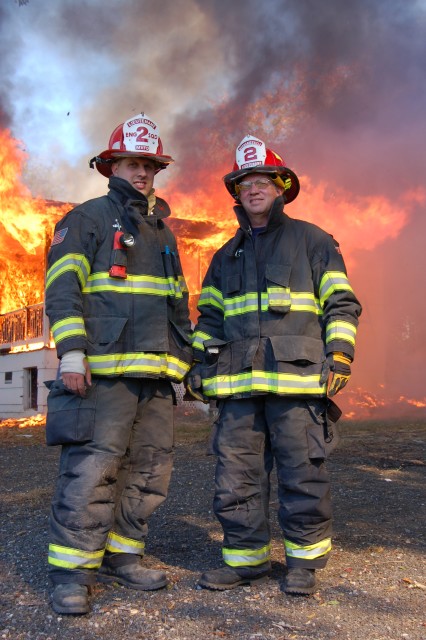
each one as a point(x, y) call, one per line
point(337, 88)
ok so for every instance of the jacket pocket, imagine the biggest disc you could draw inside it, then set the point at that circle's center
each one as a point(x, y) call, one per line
point(70, 418)
point(278, 287)
point(180, 343)
point(301, 350)
point(104, 331)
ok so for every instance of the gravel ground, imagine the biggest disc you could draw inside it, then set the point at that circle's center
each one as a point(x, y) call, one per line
point(372, 589)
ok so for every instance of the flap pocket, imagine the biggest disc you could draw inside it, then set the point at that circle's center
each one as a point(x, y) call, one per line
point(233, 283)
point(278, 274)
point(181, 334)
point(300, 349)
point(70, 418)
point(104, 330)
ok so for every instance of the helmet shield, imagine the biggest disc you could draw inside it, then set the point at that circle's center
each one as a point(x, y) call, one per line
point(138, 136)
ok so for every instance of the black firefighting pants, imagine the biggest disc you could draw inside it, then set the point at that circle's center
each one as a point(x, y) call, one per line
point(250, 435)
point(115, 481)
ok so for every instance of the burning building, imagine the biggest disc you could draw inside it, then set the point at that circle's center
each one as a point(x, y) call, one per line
point(381, 242)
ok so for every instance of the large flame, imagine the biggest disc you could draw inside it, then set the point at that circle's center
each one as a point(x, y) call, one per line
point(25, 224)
point(203, 220)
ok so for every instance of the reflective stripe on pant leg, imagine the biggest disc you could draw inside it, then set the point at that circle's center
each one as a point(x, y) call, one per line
point(297, 441)
point(246, 557)
point(120, 544)
point(241, 501)
point(67, 558)
point(146, 469)
point(308, 552)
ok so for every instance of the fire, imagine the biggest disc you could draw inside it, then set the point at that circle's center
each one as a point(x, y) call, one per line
point(25, 224)
point(33, 421)
point(203, 220)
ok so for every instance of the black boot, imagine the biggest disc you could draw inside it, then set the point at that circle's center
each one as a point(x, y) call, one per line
point(126, 569)
point(299, 581)
point(231, 577)
point(70, 598)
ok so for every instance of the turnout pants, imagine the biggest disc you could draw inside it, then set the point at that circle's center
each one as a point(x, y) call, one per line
point(250, 435)
point(108, 486)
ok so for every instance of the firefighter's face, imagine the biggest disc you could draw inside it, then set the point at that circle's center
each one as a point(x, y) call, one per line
point(257, 194)
point(139, 172)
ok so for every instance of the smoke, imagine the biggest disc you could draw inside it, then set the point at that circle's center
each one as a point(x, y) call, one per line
point(336, 87)
point(340, 90)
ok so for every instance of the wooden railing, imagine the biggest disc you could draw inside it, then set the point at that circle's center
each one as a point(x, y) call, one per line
point(22, 325)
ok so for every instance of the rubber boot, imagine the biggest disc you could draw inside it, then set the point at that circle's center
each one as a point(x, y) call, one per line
point(299, 581)
point(231, 577)
point(126, 569)
point(70, 598)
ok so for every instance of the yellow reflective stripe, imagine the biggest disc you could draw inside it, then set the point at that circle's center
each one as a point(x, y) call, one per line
point(143, 284)
point(340, 330)
point(69, 558)
point(70, 262)
point(248, 303)
point(281, 383)
point(331, 282)
point(120, 544)
point(241, 304)
point(68, 328)
point(308, 552)
point(246, 557)
point(161, 364)
point(198, 339)
point(211, 296)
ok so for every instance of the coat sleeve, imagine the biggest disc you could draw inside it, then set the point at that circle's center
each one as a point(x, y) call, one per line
point(338, 302)
point(69, 263)
point(209, 327)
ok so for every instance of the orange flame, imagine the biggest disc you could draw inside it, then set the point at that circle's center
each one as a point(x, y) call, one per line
point(25, 224)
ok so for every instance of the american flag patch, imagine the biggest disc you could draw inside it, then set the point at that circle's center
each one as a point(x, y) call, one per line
point(59, 236)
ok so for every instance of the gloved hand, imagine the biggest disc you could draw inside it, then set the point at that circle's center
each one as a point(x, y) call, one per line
point(336, 372)
point(193, 385)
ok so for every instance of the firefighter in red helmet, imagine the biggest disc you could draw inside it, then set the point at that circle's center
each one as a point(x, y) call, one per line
point(117, 302)
point(274, 342)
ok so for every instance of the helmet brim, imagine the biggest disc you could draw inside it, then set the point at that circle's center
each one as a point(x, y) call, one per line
point(231, 179)
point(105, 160)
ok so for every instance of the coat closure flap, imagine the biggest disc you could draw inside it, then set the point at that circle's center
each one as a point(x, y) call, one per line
point(300, 348)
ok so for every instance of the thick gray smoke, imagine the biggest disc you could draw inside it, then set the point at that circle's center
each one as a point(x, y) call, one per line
point(336, 87)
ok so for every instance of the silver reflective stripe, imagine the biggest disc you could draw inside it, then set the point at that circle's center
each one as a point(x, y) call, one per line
point(309, 552)
point(74, 558)
point(246, 557)
point(120, 544)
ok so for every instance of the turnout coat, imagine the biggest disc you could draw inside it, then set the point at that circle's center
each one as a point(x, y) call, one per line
point(271, 310)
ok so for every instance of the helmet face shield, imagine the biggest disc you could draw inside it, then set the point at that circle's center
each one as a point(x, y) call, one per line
point(138, 136)
point(252, 156)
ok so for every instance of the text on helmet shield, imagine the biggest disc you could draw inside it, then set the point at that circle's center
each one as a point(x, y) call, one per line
point(251, 152)
point(140, 134)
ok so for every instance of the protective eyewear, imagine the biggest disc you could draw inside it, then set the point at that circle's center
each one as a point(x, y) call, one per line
point(260, 183)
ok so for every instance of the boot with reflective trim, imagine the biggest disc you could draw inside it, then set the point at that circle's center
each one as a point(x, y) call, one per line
point(299, 581)
point(132, 575)
point(70, 598)
point(231, 577)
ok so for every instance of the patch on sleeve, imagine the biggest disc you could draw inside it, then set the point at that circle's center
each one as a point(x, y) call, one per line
point(59, 236)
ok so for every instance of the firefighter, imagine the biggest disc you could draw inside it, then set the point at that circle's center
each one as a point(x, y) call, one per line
point(273, 343)
point(117, 303)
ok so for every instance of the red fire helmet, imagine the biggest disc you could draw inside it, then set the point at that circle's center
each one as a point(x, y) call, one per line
point(139, 137)
point(252, 156)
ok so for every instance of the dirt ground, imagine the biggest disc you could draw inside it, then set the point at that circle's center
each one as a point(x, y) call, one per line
point(372, 589)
